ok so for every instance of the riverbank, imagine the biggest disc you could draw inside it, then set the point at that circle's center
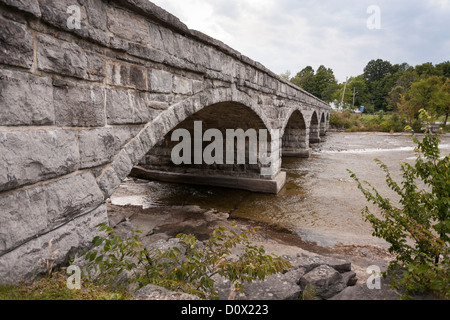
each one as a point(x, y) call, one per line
point(160, 225)
point(318, 212)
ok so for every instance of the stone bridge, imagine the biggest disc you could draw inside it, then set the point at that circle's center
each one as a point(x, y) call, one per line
point(89, 89)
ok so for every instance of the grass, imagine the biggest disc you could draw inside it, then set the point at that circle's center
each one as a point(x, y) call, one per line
point(55, 288)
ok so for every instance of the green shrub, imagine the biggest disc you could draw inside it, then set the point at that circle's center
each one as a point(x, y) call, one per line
point(190, 272)
point(344, 120)
point(418, 232)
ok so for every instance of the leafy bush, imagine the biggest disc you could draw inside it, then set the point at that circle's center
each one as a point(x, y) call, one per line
point(418, 232)
point(192, 271)
point(343, 120)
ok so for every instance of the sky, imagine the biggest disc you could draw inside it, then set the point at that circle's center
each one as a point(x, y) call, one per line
point(344, 35)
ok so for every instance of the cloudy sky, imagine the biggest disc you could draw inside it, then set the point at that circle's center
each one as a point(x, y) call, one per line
point(341, 34)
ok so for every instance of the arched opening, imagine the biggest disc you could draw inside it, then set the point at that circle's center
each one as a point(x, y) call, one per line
point(225, 144)
point(295, 140)
point(314, 130)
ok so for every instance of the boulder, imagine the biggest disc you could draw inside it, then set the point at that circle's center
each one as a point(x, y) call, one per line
point(326, 280)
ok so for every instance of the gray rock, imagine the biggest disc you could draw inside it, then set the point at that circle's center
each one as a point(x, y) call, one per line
point(152, 292)
point(25, 99)
point(16, 44)
point(33, 156)
point(326, 281)
point(350, 278)
point(274, 287)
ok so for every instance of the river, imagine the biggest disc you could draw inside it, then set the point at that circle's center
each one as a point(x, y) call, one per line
point(320, 202)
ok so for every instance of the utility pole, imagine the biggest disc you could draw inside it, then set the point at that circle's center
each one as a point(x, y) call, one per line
point(354, 94)
point(343, 94)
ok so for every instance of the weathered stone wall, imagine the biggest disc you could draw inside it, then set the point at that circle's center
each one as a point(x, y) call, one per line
point(80, 106)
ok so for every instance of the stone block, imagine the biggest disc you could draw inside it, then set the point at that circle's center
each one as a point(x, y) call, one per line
point(118, 107)
point(126, 75)
point(33, 156)
point(78, 105)
point(123, 135)
point(115, 174)
point(25, 99)
point(97, 147)
point(96, 13)
point(61, 57)
point(96, 67)
point(156, 38)
point(160, 81)
point(128, 26)
point(145, 52)
point(29, 6)
point(135, 151)
point(16, 44)
point(182, 85)
point(72, 196)
point(23, 214)
point(143, 111)
point(22, 263)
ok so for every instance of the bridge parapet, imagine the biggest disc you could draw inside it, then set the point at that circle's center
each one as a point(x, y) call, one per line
point(82, 103)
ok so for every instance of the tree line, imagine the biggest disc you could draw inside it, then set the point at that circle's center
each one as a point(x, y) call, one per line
point(398, 88)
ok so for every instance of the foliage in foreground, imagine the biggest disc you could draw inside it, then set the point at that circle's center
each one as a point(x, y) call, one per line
point(188, 267)
point(418, 232)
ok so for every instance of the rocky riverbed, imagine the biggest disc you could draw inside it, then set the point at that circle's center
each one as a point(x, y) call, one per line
point(338, 272)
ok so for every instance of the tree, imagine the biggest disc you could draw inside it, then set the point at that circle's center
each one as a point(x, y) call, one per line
point(427, 70)
point(376, 76)
point(429, 93)
point(419, 231)
point(444, 68)
point(402, 84)
point(442, 100)
point(323, 78)
point(320, 83)
point(305, 79)
point(376, 70)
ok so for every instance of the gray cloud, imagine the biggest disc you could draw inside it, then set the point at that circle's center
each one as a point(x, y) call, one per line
point(291, 34)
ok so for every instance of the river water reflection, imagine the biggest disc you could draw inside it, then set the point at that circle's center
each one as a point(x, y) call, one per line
point(320, 202)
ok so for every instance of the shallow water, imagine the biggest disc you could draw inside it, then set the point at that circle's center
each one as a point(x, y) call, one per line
point(320, 202)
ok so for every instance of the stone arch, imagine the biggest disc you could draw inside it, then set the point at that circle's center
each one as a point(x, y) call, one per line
point(323, 125)
point(314, 129)
point(221, 116)
point(156, 131)
point(295, 141)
